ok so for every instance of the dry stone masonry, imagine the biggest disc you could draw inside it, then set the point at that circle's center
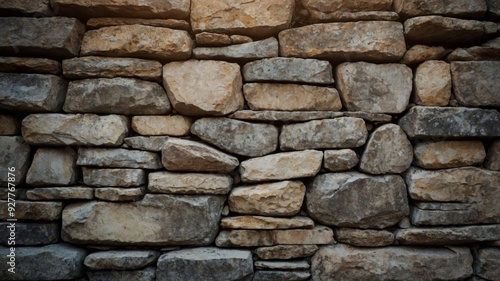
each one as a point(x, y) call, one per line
point(250, 140)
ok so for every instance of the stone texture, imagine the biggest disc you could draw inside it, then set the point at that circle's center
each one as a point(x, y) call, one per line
point(493, 159)
point(487, 263)
point(138, 41)
point(343, 132)
point(212, 39)
point(432, 84)
point(201, 88)
point(146, 274)
point(30, 65)
point(448, 235)
point(489, 51)
point(61, 193)
point(381, 201)
point(340, 160)
point(96, 23)
point(250, 140)
point(375, 88)
point(281, 166)
point(155, 125)
point(285, 252)
point(270, 275)
point(282, 265)
point(364, 237)
point(83, 222)
point(31, 233)
point(493, 9)
point(78, 129)
point(448, 154)
point(291, 97)
point(53, 166)
point(102, 67)
point(191, 156)
point(120, 259)
point(421, 53)
point(210, 263)
point(31, 92)
point(259, 222)
point(113, 177)
point(373, 41)
point(476, 83)
point(391, 263)
point(119, 194)
point(388, 150)
point(27, 36)
point(14, 152)
point(9, 125)
point(289, 70)
point(258, 18)
point(189, 183)
point(457, 9)
point(270, 199)
point(267, 48)
point(25, 8)
point(458, 122)
point(326, 6)
point(300, 116)
point(118, 158)
point(240, 39)
point(154, 143)
point(33, 211)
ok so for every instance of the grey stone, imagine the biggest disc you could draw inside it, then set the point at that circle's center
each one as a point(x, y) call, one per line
point(30, 233)
point(487, 263)
point(9, 125)
point(476, 83)
point(297, 116)
point(120, 259)
point(114, 177)
point(119, 194)
point(14, 155)
point(267, 48)
point(151, 143)
point(189, 183)
point(53, 166)
point(493, 159)
point(458, 8)
point(33, 211)
point(272, 275)
point(118, 158)
point(285, 252)
point(146, 274)
point(25, 8)
point(260, 222)
point(340, 160)
point(448, 235)
point(61, 193)
point(282, 265)
point(448, 154)
point(364, 237)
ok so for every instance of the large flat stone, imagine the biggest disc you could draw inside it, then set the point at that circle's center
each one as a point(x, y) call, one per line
point(260, 222)
point(448, 235)
point(487, 263)
point(189, 183)
point(14, 155)
point(432, 83)
point(476, 83)
point(114, 177)
point(120, 259)
point(118, 158)
point(448, 154)
point(33, 211)
point(53, 166)
point(326, 6)
point(458, 8)
point(282, 265)
point(157, 125)
point(364, 237)
point(145, 274)
point(267, 48)
point(95, 23)
point(301, 116)
point(61, 193)
point(30, 233)
point(285, 252)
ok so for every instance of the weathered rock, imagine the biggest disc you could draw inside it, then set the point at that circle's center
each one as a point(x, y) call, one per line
point(259, 222)
point(78, 129)
point(191, 156)
point(421, 53)
point(281, 166)
point(30, 65)
point(281, 265)
point(250, 140)
point(192, 92)
point(61, 193)
point(258, 18)
point(31, 233)
point(96, 67)
point(448, 235)
point(212, 39)
point(376, 88)
point(51, 262)
point(476, 83)
point(14, 158)
point(291, 97)
point(364, 237)
point(118, 158)
point(267, 48)
point(489, 51)
point(28, 36)
point(270, 275)
point(289, 70)
point(208, 263)
point(493, 159)
point(387, 151)
point(25, 8)
point(9, 125)
point(154, 143)
point(146, 274)
point(285, 252)
point(374, 41)
point(189, 183)
point(458, 9)
point(457, 122)
point(487, 263)
point(171, 125)
point(493, 9)
point(37, 211)
point(113, 177)
point(138, 41)
point(120, 260)
point(448, 154)
point(53, 166)
point(270, 199)
point(432, 84)
point(326, 6)
point(240, 39)
point(343, 132)
point(340, 160)
point(119, 194)
point(351, 263)
point(381, 201)
point(96, 23)
point(31, 92)
point(298, 116)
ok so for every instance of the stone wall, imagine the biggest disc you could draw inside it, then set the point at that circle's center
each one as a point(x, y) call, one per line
point(250, 140)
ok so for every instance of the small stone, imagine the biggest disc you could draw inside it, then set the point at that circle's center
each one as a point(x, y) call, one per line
point(448, 235)
point(421, 53)
point(155, 125)
point(37, 211)
point(114, 177)
point(285, 252)
point(96, 23)
point(25, 8)
point(30, 65)
point(212, 39)
point(120, 260)
point(119, 194)
point(432, 84)
point(118, 158)
point(9, 125)
point(240, 39)
point(493, 159)
point(299, 116)
point(364, 237)
point(61, 193)
point(53, 166)
point(154, 143)
point(189, 183)
point(476, 83)
point(14, 159)
point(271, 275)
point(146, 274)
point(267, 48)
point(282, 166)
point(259, 222)
point(487, 263)
point(282, 265)
point(340, 160)
point(448, 154)
point(30, 233)
point(457, 9)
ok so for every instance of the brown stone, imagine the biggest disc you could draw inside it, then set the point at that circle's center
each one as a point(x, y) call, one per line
point(285, 252)
point(170, 125)
point(53, 166)
point(489, 51)
point(457, 9)
point(259, 222)
point(61, 193)
point(449, 154)
point(240, 39)
point(267, 48)
point(119, 194)
point(421, 53)
point(326, 6)
point(476, 83)
point(29, 65)
point(354, 16)
point(212, 39)
point(432, 83)
point(9, 125)
point(189, 183)
point(96, 23)
point(364, 237)
point(154, 143)
point(448, 235)
point(37, 211)
point(300, 116)
point(493, 159)
point(118, 158)
point(114, 177)
point(340, 160)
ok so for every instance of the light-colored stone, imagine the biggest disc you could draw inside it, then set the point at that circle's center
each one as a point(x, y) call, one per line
point(146, 274)
point(267, 48)
point(189, 183)
point(96, 23)
point(269, 199)
point(373, 41)
point(285, 252)
point(493, 159)
point(203, 88)
point(259, 18)
point(155, 125)
point(380, 201)
point(86, 222)
point(78, 129)
point(154, 143)
point(289, 70)
point(33, 211)
point(240, 39)
point(300, 116)
point(212, 39)
point(118, 158)
point(354, 16)
point(364, 237)
point(343, 132)
point(448, 235)
point(476, 83)
point(53, 166)
point(271, 275)
point(457, 9)
point(119, 194)
point(282, 166)
point(120, 259)
point(30, 65)
point(487, 263)
point(113, 177)
point(448, 154)
point(432, 84)
point(14, 159)
point(25, 8)
point(61, 193)
point(250, 139)
point(9, 125)
point(259, 222)
point(30, 233)
point(191, 156)
point(282, 265)
point(340, 160)
point(421, 53)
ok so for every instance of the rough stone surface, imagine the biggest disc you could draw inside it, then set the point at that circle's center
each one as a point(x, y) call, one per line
point(30, 65)
point(448, 154)
point(53, 166)
point(267, 48)
point(364, 237)
point(14, 152)
point(154, 125)
point(448, 235)
point(326, 6)
point(120, 260)
point(432, 84)
point(340, 160)
point(61, 193)
point(25, 8)
point(285, 252)
point(31, 233)
point(9, 125)
point(489, 51)
point(146, 274)
point(291, 97)
point(476, 83)
point(281, 166)
point(487, 263)
point(240, 39)
point(270, 275)
point(96, 23)
point(493, 9)
point(271, 199)
point(354, 16)
point(421, 53)
point(119, 194)
point(82, 222)
point(154, 143)
point(249, 140)
point(113, 177)
point(118, 158)
point(375, 88)
point(457, 9)
point(189, 183)
point(493, 159)
point(27, 210)
point(343, 132)
point(300, 116)
point(381, 201)
point(78, 129)
point(212, 39)
point(259, 222)
point(373, 41)
point(203, 88)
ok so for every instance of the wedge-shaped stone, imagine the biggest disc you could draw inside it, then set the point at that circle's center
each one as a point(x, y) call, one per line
point(300, 116)
point(30, 65)
point(381, 201)
point(96, 23)
point(448, 235)
point(154, 143)
point(189, 183)
point(260, 18)
point(270, 199)
point(86, 222)
point(457, 122)
point(14, 158)
point(289, 275)
point(114, 177)
point(138, 41)
point(119, 194)
point(25, 8)
point(267, 48)
point(61, 193)
point(289, 70)
point(31, 92)
point(250, 140)
point(118, 158)
point(282, 166)
point(489, 51)
point(37, 37)
point(30, 233)
point(476, 83)
point(493, 159)
point(36, 211)
point(343, 132)
point(291, 97)
point(191, 156)
point(448, 154)
point(487, 263)
point(457, 9)
point(146, 274)
point(285, 252)
point(432, 84)
point(373, 41)
point(421, 53)
point(259, 222)
point(120, 259)
point(53, 166)
point(364, 237)
point(340, 160)
point(202, 88)
point(9, 125)
point(208, 263)
point(79, 129)
point(352, 263)
point(170, 125)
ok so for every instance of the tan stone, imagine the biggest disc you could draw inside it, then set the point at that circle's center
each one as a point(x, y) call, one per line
point(212, 39)
point(203, 87)
point(15, 156)
point(493, 159)
point(61, 193)
point(456, 8)
point(156, 125)
point(285, 252)
point(432, 83)
point(476, 83)
point(113, 177)
point(240, 39)
point(118, 158)
point(448, 154)
point(9, 125)
point(300, 116)
point(340, 160)
point(259, 222)
point(25, 8)
point(96, 23)
point(267, 48)
point(37, 211)
point(154, 143)
point(364, 237)
point(421, 53)
point(30, 65)
point(119, 194)
point(53, 166)
point(189, 183)
point(326, 6)
point(448, 235)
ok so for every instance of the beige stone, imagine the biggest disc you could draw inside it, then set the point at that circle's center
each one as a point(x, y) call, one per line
point(96, 23)
point(15, 156)
point(156, 125)
point(118, 158)
point(301, 116)
point(326, 6)
point(448, 235)
point(354, 16)
point(476, 83)
point(458, 8)
point(340, 160)
point(189, 183)
point(285, 252)
point(9, 125)
point(53, 166)
point(154, 143)
point(421, 53)
point(61, 193)
point(432, 83)
point(114, 177)
point(364, 237)
point(30, 65)
point(240, 39)
point(212, 39)
point(259, 222)
point(119, 194)
point(267, 48)
point(37, 211)
point(449, 154)
point(493, 159)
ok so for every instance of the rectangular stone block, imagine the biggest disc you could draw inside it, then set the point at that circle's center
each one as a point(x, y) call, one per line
point(61, 193)
point(118, 158)
point(189, 183)
point(96, 23)
point(476, 83)
point(30, 65)
point(28, 210)
point(114, 177)
point(448, 235)
point(30, 233)
point(267, 48)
